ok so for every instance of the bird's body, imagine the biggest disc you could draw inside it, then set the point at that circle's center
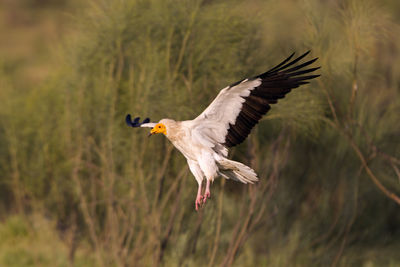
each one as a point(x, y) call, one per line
point(198, 141)
point(227, 121)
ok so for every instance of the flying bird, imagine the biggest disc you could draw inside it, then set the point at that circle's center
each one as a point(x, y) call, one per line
point(227, 121)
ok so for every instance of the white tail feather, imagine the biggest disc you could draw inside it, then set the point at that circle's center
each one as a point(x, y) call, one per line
point(234, 170)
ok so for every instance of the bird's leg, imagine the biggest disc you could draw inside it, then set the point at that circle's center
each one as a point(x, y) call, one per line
point(198, 198)
point(207, 193)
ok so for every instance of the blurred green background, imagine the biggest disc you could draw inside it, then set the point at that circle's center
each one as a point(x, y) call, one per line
point(80, 188)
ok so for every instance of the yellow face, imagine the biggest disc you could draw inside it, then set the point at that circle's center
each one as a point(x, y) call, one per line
point(159, 128)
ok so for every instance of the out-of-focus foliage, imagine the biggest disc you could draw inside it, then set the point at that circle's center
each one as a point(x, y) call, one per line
point(37, 244)
point(327, 155)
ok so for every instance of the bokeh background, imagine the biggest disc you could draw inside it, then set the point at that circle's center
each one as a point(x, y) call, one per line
point(80, 188)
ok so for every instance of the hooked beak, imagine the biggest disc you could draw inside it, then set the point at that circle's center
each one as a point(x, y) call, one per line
point(151, 132)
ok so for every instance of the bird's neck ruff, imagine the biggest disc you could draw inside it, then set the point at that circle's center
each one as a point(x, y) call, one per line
point(173, 129)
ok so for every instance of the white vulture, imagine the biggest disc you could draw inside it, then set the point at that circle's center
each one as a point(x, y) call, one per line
point(227, 121)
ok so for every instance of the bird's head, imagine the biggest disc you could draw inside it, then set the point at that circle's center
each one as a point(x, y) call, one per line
point(159, 128)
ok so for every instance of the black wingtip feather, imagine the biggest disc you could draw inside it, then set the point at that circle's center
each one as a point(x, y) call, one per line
point(304, 71)
point(294, 61)
point(275, 84)
point(284, 64)
point(280, 64)
point(301, 65)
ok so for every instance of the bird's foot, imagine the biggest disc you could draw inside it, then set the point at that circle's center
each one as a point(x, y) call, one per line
point(198, 202)
point(207, 194)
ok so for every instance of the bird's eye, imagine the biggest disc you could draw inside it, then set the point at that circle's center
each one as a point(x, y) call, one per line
point(159, 126)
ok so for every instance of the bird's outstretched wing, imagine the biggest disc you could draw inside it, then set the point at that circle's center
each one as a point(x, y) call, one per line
point(229, 119)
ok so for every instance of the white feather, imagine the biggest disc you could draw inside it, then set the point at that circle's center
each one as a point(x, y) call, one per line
point(149, 125)
point(214, 121)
